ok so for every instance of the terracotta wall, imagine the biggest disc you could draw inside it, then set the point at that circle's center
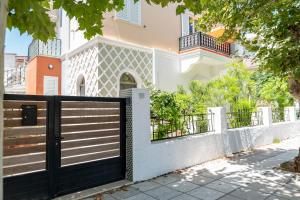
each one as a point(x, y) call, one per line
point(37, 68)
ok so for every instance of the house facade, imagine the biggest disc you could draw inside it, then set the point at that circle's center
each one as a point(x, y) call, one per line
point(141, 45)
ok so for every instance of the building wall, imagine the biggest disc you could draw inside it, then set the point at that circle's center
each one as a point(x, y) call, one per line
point(163, 35)
point(37, 68)
point(9, 61)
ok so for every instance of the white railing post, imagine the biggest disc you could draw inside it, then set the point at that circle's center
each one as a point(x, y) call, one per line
point(266, 115)
point(290, 114)
point(220, 126)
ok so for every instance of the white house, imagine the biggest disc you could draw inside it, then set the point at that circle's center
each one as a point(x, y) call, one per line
point(143, 44)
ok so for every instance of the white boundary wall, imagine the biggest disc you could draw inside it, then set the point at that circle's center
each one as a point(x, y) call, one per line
point(151, 159)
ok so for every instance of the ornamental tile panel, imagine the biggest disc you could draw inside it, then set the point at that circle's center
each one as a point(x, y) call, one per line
point(101, 66)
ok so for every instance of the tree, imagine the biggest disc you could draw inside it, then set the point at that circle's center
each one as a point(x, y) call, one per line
point(269, 28)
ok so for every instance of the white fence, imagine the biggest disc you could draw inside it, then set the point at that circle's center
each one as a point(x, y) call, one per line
point(146, 159)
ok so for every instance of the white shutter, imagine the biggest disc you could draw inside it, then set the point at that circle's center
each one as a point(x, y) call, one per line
point(50, 85)
point(124, 14)
point(185, 21)
point(135, 12)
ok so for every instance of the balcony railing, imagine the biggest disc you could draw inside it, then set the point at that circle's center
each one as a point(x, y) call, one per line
point(200, 39)
point(50, 48)
point(15, 77)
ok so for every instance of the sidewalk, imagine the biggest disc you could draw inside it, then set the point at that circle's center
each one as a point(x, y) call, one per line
point(248, 176)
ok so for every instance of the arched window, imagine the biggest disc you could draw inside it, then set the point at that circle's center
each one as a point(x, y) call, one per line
point(81, 86)
point(127, 81)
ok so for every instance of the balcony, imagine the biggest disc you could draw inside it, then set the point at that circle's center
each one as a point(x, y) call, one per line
point(51, 48)
point(202, 40)
point(14, 80)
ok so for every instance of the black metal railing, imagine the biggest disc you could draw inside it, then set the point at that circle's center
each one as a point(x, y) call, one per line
point(200, 39)
point(50, 48)
point(280, 115)
point(16, 76)
point(182, 126)
point(244, 118)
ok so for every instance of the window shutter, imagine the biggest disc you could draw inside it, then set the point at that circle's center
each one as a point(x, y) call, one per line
point(135, 12)
point(124, 14)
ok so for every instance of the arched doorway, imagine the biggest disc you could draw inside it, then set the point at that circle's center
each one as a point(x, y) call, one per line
point(127, 81)
point(81, 86)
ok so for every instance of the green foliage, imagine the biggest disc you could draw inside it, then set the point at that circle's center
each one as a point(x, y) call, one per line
point(272, 90)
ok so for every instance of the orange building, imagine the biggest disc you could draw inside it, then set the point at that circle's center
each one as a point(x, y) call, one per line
point(43, 76)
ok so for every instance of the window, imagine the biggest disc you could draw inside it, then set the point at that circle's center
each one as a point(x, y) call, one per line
point(81, 86)
point(131, 12)
point(127, 81)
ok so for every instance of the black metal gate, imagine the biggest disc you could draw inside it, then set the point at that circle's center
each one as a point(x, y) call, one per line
point(55, 145)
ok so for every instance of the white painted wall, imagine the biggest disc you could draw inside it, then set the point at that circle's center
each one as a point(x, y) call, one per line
point(9, 61)
point(167, 70)
point(151, 159)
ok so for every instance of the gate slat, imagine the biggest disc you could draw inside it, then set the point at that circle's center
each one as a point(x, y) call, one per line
point(18, 113)
point(89, 157)
point(24, 168)
point(18, 122)
point(89, 127)
point(85, 112)
point(26, 158)
point(84, 135)
point(93, 141)
point(79, 120)
point(89, 149)
point(11, 104)
point(25, 130)
point(24, 141)
point(89, 104)
point(24, 150)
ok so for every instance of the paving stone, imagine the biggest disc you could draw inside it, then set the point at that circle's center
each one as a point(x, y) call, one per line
point(206, 193)
point(185, 197)
point(249, 194)
point(201, 180)
point(125, 192)
point(222, 186)
point(146, 185)
point(182, 186)
point(288, 193)
point(273, 197)
point(164, 180)
point(211, 174)
point(102, 197)
point(228, 197)
point(264, 186)
point(163, 193)
point(140, 196)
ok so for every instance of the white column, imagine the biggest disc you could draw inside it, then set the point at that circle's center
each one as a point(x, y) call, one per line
point(138, 131)
point(290, 114)
point(220, 126)
point(266, 115)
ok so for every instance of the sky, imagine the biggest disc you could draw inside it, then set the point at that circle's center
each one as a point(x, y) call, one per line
point(16, 43)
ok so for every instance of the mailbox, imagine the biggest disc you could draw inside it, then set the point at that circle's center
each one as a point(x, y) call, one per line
point(29, 115)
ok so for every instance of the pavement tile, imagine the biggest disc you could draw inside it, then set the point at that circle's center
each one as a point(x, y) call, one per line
point(140, 196)
point(146, 185)
point(273, 197)
point(228, 197)
point(185, 197)
point(206, 193)
point(182, 186)
point(248, 194)
point(166, 179)
point(201, 180)
point(163, 193)
point(125, 192)
point(288, 193)
point(222, 186)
